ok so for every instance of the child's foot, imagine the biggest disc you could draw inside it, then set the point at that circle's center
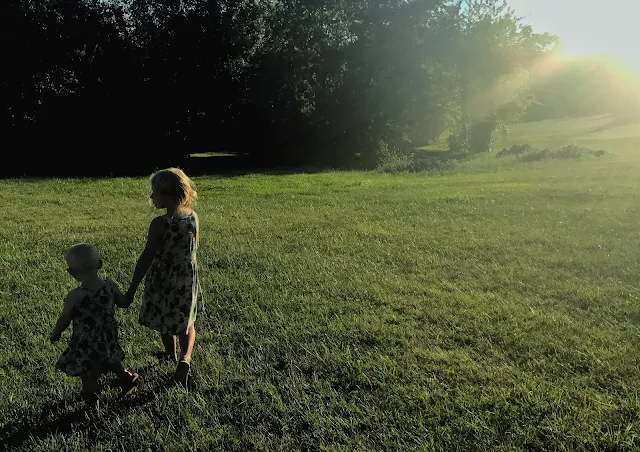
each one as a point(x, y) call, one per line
point(181, 376)
point(90, 399)
point(130, 382)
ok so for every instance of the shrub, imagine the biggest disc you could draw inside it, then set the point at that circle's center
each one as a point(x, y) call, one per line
point(526, 153)
point(516, 149)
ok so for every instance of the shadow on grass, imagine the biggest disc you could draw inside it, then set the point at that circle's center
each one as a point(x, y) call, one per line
point(237, 165)
point(24, 430)
point(216, 165)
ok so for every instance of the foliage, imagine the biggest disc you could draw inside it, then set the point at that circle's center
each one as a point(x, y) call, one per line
point(526, 153)
point(296, 82)
point(516, 149)
point(494, 53)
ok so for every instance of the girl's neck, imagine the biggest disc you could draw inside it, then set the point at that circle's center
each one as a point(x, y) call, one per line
point(175, 211)
point(92, 282)
point(171, 211)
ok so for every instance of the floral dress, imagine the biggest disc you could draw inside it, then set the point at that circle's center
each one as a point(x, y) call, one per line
point(172, 289)
point(94, 341)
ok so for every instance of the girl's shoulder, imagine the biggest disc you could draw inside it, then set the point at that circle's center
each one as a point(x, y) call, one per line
point(159, 224)
point(195, 220)
point(76, 295)
point(189, 216)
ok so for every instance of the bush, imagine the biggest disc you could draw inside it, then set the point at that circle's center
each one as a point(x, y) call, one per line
point(393, 160)
point(477, 136)
point(563, 153)
point(516, 149)
point(456, 144)
point(482, 135)
point(433, 165)
point(526, 153)
point(408, 161)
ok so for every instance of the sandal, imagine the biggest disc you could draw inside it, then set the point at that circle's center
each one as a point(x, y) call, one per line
point(128, 386)
point(181, 376)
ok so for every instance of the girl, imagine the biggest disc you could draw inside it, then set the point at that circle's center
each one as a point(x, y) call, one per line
point(94, 347)
point(168, 264)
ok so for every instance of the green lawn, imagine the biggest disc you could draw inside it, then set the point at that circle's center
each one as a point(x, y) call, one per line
point(491, 308)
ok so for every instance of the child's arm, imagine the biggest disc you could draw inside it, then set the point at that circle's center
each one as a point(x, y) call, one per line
point(65, 317)
point(154, 240)
point(121, 300)
point(197, 230)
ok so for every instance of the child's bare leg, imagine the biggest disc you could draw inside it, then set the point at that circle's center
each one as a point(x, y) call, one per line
point(170, 346)
point(128, 380)
point(186, 344)
point(90, 389)
point(187, 340)
point(122, 374)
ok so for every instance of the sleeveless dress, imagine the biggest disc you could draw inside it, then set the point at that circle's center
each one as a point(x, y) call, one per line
point(94, 341)
point(172, 289)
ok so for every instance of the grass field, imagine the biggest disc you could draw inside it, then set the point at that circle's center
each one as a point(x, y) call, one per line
point(491, 308)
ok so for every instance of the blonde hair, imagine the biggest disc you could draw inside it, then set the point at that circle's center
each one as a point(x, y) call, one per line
point(174, 183)
point(82, 256)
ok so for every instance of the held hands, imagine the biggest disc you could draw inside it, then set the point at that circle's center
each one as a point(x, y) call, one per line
point(128, 296)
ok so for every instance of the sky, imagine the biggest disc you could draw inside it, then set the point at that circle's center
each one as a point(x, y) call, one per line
point(588, 27)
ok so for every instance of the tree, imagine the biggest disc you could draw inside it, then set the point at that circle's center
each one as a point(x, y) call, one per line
point(327, 82)
point(491, 56)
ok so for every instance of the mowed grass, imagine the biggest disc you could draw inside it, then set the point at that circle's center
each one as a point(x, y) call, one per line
point(493, 308)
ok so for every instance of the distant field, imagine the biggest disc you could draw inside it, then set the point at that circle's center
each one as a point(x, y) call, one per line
point(494, 307)
point(599, 132)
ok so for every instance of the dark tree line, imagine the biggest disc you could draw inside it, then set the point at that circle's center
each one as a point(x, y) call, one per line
point(126, 84)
